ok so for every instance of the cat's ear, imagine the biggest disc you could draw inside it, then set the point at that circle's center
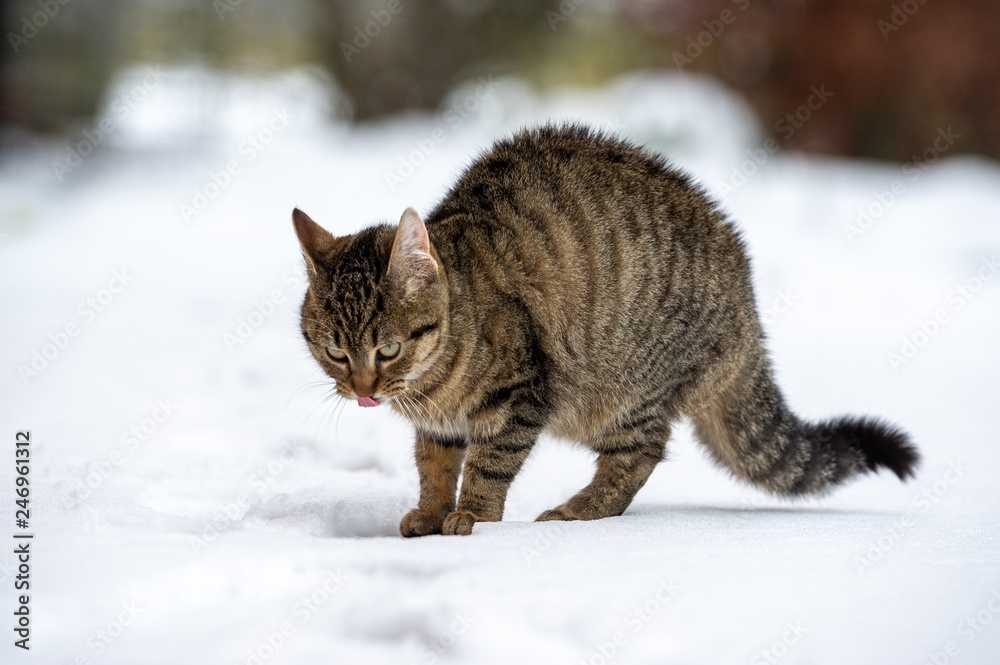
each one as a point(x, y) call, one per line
point(315, 240)
point(411, 265)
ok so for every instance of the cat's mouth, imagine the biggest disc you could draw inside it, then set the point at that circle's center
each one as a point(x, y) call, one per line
point(366, 401)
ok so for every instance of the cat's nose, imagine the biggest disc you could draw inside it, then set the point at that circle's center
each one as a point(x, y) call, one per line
point(364, 386)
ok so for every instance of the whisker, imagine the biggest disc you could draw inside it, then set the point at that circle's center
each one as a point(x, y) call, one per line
point(449, 426)
point(324, 324)
point(416, 416)
point(416, 409)
point(339, 409)
point(301, 420)
point(312, 385)
point(431, 401)
point(436, 383)
point(406, 409)
point(331, 411)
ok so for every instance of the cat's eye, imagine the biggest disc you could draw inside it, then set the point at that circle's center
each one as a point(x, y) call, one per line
point(389, 350)
point(336, 354)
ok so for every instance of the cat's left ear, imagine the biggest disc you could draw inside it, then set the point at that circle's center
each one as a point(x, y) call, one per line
point(411, 265)
point(315, 240)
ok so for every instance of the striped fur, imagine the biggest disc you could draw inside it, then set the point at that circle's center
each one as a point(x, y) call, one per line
point(574, 284)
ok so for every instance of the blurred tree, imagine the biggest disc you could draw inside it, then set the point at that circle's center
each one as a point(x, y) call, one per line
point(58, 59)
point(885, 75)
point(898, 71)
point(396, 55)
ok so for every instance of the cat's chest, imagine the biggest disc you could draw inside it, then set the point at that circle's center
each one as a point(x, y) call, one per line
point(440, 428)
point(445, 424)
point(429, 418)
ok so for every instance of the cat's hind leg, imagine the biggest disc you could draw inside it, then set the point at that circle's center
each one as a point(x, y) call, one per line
point(624, 462)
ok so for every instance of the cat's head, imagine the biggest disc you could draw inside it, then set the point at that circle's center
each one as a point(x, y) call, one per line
point(375, 315)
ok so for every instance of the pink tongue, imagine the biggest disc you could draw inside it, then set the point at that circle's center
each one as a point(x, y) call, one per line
point(364, 400)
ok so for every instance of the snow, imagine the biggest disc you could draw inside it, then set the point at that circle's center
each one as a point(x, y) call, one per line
point(236, 513)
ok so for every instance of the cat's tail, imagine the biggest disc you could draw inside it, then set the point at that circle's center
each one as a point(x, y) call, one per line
point(749, 429)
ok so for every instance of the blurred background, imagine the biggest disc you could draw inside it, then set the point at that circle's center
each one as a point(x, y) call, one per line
point(151, 152)
point(897, 71)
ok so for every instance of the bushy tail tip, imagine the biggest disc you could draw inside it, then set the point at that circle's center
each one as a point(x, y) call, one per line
point(880, 444)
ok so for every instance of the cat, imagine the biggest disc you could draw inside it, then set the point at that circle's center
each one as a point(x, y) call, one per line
point(574, 284)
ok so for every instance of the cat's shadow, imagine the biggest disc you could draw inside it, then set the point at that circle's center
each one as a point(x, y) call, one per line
point(648, 517)
point(338, 520)
point(703, 510)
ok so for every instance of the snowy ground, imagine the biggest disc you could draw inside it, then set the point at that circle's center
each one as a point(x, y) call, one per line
point(194, 499)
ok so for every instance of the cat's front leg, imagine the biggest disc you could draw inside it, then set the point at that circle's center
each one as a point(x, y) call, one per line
point(438, 463)
point(490, 468)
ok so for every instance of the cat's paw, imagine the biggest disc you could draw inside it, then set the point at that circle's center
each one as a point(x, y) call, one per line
point(459, 523)
point(555, 514)
point(420, 523)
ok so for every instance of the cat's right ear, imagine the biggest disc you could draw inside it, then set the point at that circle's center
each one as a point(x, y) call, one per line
point(315, 240)
point(411, 265)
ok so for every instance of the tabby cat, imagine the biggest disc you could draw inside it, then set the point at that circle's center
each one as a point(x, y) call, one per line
point(574, 284)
